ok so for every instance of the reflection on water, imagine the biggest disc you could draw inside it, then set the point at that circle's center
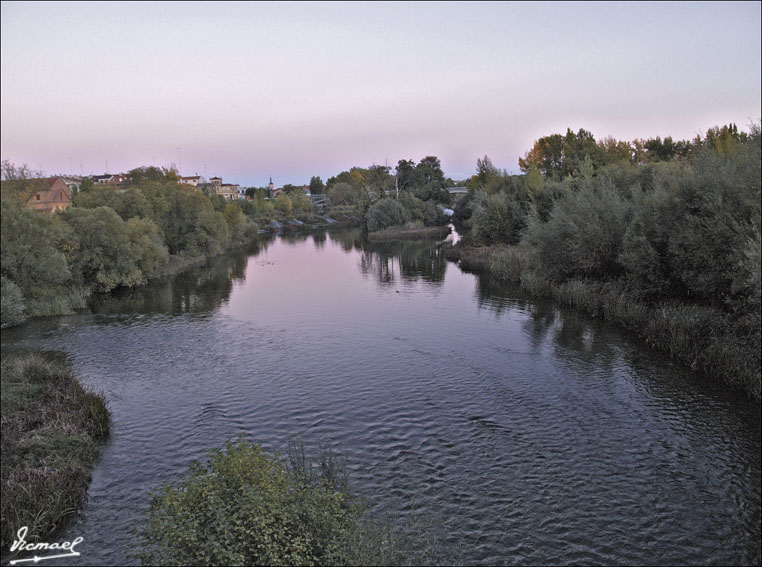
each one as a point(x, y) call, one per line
point(403, 262)
point(531, 434)
point(201, 289)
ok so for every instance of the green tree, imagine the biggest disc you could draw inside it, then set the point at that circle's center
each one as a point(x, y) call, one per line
point(546, 155)
point(485, 170)
point(385, 213)
point(583, 236)
point(406, 175)
point(614, 151)
point(103, 256)
point(148, 250)
point(576, 148)
point(497, 218)
point(300, 201)
point(343, 194)
point(86, 185)
point(142, 174)
point(316, 185)
point(33, 258)
point(283, 203)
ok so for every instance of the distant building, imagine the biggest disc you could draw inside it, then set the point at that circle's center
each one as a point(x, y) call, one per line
point(229, 191)
point(73, 182)
point(116, 179)
point(193, 180)
point(120, 179)
point(50, 194)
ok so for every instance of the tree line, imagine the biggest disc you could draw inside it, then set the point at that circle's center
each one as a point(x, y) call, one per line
point(378, 199)
point(52, 263)
point(676, 228)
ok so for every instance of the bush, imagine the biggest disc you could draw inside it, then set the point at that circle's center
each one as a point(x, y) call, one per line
point(244, 506)
point(693, 235)
point(12, 309)
point(583, 237)
point(103, 256)
point(498, 219)
point(32, 258)
point(283, 203)
point(344, 194)
point(385, 213)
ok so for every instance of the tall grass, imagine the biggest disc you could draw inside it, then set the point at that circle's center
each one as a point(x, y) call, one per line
point(52, 430)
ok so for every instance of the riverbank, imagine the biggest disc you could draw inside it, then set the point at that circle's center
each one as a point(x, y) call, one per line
point(704, 338)
point(52, 433)
point(410, 233)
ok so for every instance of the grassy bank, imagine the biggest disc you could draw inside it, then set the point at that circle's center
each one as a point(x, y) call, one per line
point(410, 232)
point(52, 429)
point(706, 339)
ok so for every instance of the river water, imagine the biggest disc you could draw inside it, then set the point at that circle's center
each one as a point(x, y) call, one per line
point(521, 432)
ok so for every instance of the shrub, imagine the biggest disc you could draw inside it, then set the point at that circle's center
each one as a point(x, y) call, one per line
point(12, 309)
point(385, 213)
point(283, 203)
point(33, 260)
point(103, 257)
point(244, 506)
point(498, 218)
point(583, 237)
point(344, 194)
point(148, 248)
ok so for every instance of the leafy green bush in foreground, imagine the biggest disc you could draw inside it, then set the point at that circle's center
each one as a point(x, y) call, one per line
point(244, 506)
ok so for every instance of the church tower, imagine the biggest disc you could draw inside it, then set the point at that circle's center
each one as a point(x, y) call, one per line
point(271, 186)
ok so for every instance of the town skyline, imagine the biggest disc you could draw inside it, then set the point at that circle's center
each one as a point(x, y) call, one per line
point(312, 89)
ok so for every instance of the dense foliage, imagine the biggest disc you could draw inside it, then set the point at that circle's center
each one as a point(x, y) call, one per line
point(661, 227)
point(246, 506)
point(111, 238)
point(379, 199)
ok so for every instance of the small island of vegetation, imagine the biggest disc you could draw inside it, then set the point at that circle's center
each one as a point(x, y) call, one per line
point(52, 432)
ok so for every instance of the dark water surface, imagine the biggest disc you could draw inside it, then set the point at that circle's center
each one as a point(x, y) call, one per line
point(528, 433)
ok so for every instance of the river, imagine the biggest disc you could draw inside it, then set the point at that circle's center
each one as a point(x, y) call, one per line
point(522, 432)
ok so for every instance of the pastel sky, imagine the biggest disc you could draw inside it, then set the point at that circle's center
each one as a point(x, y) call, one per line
point(248, 90)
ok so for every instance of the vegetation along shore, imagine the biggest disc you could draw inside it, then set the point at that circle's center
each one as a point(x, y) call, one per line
point(52, 432)
point(667, 247)
point(657, 236)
